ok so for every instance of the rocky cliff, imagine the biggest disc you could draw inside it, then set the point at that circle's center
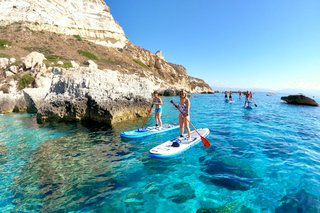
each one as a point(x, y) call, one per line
point(91, 19)
point(49, 64)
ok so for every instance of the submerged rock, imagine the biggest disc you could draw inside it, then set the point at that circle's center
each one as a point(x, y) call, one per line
point(231, 177)
point(299, 202)
point(104, 96)
point(229, 208)
point(299, 100)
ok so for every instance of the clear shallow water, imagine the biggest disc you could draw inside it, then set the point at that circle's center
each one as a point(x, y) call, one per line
point(260, 160)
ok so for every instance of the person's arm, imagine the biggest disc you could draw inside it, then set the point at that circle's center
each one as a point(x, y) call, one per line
point(188, 107)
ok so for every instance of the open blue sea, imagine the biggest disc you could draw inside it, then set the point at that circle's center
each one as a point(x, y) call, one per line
point(262, 160)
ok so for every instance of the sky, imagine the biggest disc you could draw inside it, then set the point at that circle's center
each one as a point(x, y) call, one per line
point(268, 44)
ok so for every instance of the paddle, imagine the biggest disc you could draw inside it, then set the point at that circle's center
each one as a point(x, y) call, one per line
point(254, 103)
point(205, 142)
point(147, 116)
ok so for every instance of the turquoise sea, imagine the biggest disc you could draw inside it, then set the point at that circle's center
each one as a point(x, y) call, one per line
point(262, 160)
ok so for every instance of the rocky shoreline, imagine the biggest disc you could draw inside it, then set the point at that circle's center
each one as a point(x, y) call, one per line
point(80, 93)
point(77, 64)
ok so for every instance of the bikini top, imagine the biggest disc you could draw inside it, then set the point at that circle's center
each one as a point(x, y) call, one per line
point(157, 102)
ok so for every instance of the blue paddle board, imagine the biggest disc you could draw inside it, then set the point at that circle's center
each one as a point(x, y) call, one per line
point(142, 132)
point(226, 100)
point(168, 150)
point(247, 107)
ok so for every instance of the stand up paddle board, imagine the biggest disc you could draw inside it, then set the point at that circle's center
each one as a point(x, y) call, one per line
point(177, 146)
point(247, 107)
point(226, 100)
point(142, 132)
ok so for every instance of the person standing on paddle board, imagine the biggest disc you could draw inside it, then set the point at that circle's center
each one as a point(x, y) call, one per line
point(157, 113)
point(240, 95)
point(225, 95)
point(247, 99)
point(184, 107)
point(230, 96)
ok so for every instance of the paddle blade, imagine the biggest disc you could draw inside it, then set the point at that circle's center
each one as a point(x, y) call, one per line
point(205, 142)
point(255, 105)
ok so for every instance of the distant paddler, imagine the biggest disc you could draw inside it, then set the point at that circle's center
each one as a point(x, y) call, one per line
point(157, 102)
point(230, 96)
point(240, 97)
point(226, 96)
point(247, 99)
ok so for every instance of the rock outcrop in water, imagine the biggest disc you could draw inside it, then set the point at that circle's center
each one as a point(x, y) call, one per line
point(100, 95)
point(299, 100)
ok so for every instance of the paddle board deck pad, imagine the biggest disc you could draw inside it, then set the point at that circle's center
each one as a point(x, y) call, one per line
point(170, 148)
point(142, 132)
point(247, 107)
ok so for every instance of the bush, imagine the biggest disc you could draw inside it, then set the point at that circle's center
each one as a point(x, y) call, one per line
point(25, 81)
point(4, 42)
point(87, 54)
point(4, 55)
point(42, 50)
point(77, 37)
point(141, 64)
point(67, 65)
point(18, 29)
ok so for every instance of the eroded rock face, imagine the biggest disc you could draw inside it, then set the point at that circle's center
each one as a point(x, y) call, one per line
point(299, 100)
point(100, 95)
point(34, 98)
point(7, 103)
point(91, 19)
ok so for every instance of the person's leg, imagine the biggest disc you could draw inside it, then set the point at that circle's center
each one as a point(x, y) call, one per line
point(186, 125)
point(181, 125)
point(156, 116)
point(160, 121)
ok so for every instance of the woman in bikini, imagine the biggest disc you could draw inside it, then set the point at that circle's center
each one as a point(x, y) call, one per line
point(184, 106)
point(157, 113)
point(225, 95)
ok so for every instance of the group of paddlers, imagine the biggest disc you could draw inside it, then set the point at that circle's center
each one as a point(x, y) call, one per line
point(247, 94)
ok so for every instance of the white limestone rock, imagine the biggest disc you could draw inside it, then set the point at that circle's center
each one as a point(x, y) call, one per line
point(4, 62)
point(90, 19)
point(91, 64)
point(9, 74)
point(7, 103)
point(12, 60)
point(32, 60)
point(34, 98)
point(74, 64)
point(14, 69)
point(100, 95)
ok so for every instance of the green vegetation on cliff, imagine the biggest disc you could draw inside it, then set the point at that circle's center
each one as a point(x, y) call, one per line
point(4, 42)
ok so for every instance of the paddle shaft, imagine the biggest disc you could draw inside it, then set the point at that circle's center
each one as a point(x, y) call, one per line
point(147, 116)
